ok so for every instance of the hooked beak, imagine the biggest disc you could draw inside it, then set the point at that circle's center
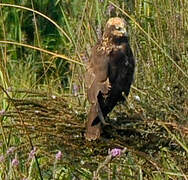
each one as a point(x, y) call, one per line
point(124, 32)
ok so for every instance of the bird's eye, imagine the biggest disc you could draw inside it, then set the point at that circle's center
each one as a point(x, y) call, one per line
point(118, 28)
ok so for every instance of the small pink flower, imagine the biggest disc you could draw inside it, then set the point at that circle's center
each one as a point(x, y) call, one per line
point(115, 152)
point(110, 9)
point(32, 153)
point(11, 150)
point(2, 112)
point(2, 159)
point(75, 89)
point(58, 156)
point(15, 162)
point(9, 89)
point(25, 179)
point(99, 32)
point(85, 58)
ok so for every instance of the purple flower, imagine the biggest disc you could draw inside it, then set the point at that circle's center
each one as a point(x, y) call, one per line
point(15, 162)
point(32, 153)
point(101, 1)
point(11, 150)
point(85, 58)
point(110, 9)
point(2, 159)
point(115, 152)
point(2, 112)
point(9, 89)
point(99, 32)
point(58, 156)
point(75, 89)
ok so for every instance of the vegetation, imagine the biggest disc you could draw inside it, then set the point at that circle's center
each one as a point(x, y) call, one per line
point(43, 107)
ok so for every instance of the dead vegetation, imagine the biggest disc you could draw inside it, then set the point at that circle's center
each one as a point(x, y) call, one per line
point(48, 123)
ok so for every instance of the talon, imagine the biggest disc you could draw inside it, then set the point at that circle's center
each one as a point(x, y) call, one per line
point(106, 86)
point(104, 122)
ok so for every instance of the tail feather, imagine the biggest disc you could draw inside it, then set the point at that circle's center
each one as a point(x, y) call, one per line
point(93, 132)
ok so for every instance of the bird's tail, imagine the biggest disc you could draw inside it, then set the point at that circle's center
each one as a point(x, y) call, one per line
point(93, 132)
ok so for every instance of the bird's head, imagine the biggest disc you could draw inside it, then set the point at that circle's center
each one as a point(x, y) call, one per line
point(116, 27)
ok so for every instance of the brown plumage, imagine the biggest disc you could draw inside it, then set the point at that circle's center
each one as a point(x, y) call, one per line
point(109, 74)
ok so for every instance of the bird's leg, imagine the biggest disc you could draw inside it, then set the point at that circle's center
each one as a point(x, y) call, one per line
point(93, 92)
point(100, 115)
point(105, 86)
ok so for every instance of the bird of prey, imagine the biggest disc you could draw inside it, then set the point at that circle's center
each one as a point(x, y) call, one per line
point(109, 74)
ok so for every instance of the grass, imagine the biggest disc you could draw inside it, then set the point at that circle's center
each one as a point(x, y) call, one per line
point(43, 106)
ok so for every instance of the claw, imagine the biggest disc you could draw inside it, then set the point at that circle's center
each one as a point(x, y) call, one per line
point(106, 87)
